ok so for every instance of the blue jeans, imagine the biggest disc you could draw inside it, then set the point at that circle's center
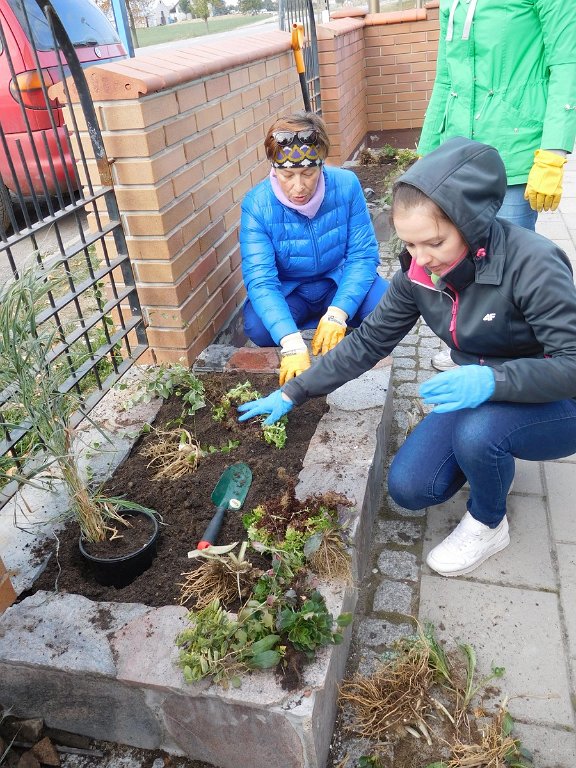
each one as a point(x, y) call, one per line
point(479, 445)
point(516, 209)
point(307, 304)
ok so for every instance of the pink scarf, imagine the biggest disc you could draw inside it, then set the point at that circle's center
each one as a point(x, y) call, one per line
point(309, 209)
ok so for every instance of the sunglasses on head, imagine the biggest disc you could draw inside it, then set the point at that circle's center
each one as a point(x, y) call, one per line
point(287, 138)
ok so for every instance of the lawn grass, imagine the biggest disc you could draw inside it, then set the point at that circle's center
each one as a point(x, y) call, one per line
point(184, 30)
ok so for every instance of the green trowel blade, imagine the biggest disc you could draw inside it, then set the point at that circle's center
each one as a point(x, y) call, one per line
point(234, 483)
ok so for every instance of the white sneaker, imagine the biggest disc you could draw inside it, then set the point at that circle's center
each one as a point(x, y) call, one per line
point(469, 545)
point(442, 361)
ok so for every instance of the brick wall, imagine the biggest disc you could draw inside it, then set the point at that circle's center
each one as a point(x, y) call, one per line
point(385, 64)
point(184, 129)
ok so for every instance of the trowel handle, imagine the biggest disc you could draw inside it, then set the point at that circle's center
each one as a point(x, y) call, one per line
point(213, 528)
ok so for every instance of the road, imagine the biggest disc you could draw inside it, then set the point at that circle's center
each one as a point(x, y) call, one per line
point(47, 241)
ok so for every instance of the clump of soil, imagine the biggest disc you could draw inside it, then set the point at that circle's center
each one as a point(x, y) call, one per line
point(184, 503)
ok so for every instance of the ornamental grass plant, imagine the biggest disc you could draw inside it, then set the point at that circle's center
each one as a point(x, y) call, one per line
point(31, 342)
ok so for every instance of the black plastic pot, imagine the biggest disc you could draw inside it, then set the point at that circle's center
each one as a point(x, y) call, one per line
point(121, 571)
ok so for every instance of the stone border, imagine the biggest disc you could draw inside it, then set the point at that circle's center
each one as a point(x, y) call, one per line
point(107, 670)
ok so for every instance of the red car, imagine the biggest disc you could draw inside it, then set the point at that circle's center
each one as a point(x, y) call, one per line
point(37, 149)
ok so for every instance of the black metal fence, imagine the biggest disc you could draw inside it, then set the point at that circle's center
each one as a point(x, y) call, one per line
point(46, 198)
point(302, 12)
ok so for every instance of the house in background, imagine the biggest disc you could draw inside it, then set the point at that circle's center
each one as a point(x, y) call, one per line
point(164, 12)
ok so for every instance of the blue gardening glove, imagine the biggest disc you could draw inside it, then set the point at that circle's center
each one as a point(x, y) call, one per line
point(277, 405)
point(466, 387)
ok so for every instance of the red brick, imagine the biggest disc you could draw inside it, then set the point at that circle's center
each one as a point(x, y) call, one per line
point(255, 360)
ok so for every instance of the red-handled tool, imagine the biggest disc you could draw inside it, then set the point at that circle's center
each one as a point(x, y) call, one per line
point(229, 493)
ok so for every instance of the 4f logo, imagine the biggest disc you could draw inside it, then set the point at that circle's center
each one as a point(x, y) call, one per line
point(489, 317)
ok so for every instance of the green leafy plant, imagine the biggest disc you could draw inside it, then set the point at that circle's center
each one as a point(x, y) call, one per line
point(370, 761)
point(311, 626)
point(223, 647)
point(300, 531)
point(241, 393)
point(275, 434)
point(165, 380)
point(28, 350)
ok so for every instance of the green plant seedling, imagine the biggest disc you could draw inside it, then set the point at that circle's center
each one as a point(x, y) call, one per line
point(275, 434)
point(163, 381)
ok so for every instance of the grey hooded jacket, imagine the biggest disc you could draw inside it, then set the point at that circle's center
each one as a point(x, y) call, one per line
point(510, 304)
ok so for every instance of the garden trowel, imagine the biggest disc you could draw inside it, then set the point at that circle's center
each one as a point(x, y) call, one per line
point(229, 493)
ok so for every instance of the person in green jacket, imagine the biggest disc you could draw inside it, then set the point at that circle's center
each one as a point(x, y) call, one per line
point(506, 76)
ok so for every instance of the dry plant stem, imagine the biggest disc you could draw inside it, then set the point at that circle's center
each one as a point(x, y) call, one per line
point(490, 752)
point(213, 580)
point(331, 559)
point(88, 512)
point(394, 697)
point(172, 457)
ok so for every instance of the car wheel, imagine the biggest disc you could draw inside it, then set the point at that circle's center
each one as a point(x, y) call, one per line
point(5, 206)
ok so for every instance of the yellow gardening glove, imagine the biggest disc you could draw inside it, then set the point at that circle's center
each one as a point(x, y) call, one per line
point(294, 357)
point(544, 185)
point(331, 330)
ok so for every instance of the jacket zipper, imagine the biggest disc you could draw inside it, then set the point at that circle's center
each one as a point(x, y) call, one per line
point(452, 327)
point(315, 244)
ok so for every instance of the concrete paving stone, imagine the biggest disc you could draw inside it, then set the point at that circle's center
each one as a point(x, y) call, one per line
point(568, 205)
point(525, 562)
point(403, 533)
point(568, 459)
point(393, 597)
point(403, 362)
point(553, 230)
point(214, 358)
point(426, 331)
point(567, 569)
point(398, 565)
point(402, 511)
point(338, 428)
point(561, 485)
point(407, 390)
point(368, 391)
point(428, 343)
point(550, 747)
point(518, 629)
point(405, 374)
point(379, 633)
point(528, 477)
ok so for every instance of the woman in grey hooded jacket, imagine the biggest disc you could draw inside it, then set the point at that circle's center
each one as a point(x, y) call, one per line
point(504, 301)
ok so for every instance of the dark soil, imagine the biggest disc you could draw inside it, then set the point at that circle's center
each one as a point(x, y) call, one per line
point(185, 504)
point(374, 176)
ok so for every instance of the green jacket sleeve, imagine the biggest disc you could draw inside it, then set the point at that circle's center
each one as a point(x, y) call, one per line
point(558, 20)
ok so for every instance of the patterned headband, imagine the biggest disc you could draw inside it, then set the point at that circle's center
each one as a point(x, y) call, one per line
point(297, 156)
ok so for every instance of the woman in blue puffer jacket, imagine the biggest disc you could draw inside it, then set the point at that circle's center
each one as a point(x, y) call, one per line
point(309, 253)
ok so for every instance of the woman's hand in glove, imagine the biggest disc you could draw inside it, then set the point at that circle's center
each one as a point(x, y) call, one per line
point(277, 405)
point(465, 387)
point(330, 331)
point(294, 357)
point(544, 185)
